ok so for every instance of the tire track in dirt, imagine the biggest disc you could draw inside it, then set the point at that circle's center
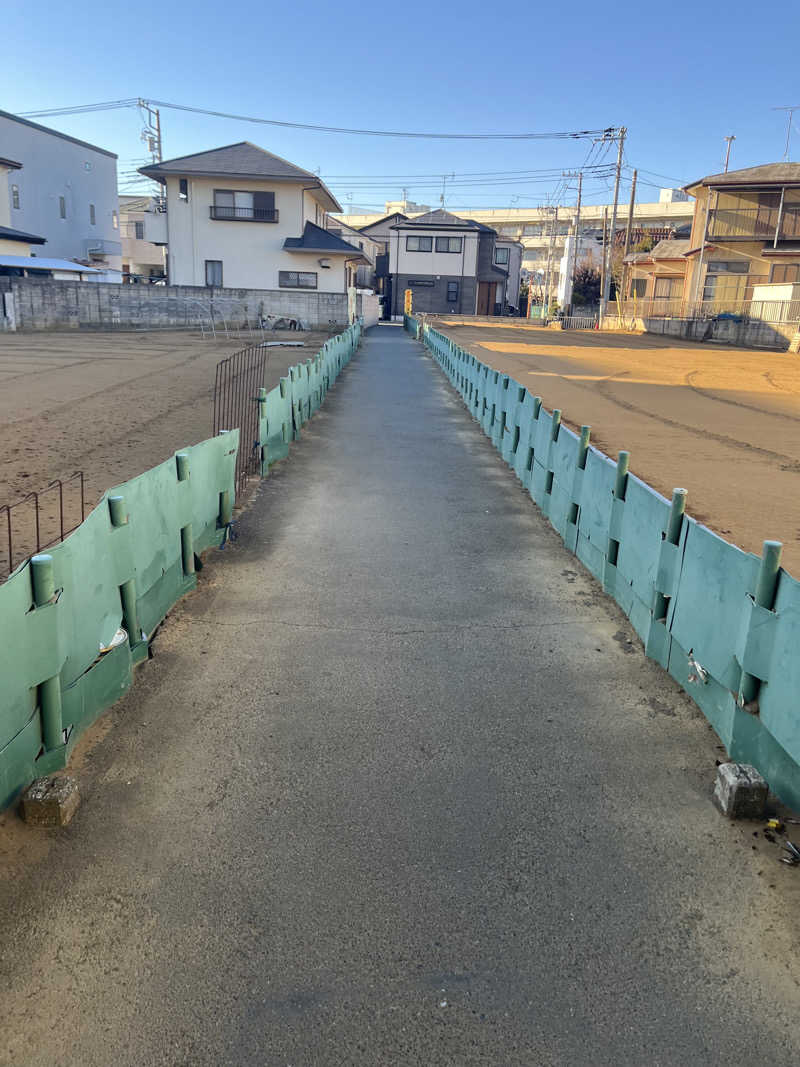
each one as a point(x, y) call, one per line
point(600, 385)
point(709, 394)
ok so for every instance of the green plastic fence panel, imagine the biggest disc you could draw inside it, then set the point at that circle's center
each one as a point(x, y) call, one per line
point(563, 460)
point(62, 639)
point(638, 525)
point(597, 492)
point(768, 645)
point(707, 609)
point(523, 458)
point(515, 397)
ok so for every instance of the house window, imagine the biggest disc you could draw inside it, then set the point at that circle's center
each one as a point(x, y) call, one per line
point(114, 220)
point(667, 288)
point(183, 188)
point(238, 205)
point(297, 279)
point(62, 207)
point(448, 244)
point(452, 292)
point(214, 272)
point(727, 266)
point(638, 287)
point(92, 215)
point(15, 196)
point(785, 272)
point(419, 244)
point(501, 255)
point(138, 231)
point(725, 280)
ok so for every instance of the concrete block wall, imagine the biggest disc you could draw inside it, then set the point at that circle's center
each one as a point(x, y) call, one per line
point(55, 305)
point(369, 309)
point(775, 335)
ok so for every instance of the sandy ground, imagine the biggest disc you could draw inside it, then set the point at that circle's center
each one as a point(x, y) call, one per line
point(109, 404)
point(722, 422)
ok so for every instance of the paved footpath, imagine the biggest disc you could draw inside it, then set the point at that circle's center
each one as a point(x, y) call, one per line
point(398, 787)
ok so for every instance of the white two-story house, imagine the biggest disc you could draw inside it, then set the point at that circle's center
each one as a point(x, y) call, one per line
point(239, 217)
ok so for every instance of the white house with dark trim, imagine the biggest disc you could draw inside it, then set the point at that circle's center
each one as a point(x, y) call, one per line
point(450, 265)
point(240, 217)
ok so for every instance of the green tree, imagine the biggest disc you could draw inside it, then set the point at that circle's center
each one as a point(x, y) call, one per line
point(586, 287)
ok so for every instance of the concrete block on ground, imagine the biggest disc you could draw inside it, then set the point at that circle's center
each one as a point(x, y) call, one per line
point(740, 791)
point(50, 801)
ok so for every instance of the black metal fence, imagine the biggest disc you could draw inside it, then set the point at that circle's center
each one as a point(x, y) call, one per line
point(236, 392)
point(40, 520)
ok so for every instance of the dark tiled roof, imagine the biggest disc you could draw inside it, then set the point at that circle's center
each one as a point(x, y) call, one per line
point(672, 249)
point(10, 163)
point(441, 219)
point(767, 174)
point(8, 234)
point(315, 239)
point(378, 222)
point(240, 160)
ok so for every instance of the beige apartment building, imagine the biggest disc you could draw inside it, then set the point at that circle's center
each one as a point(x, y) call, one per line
point(742, 256)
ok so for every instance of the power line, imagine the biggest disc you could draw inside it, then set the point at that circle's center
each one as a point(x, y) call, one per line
point(113, 104)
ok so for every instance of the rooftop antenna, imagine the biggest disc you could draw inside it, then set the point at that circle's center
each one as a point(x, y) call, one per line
point(791, 110)
point(444, 186)
point(730, 141)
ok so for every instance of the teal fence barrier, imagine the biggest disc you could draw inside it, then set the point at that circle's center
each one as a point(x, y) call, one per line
point(74, 621)
point(724, 623)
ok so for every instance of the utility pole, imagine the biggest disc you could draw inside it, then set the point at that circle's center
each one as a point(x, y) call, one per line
point(628, 229)
point(151, 134)
point(572, 260)
point(607, 275)
point(550, 249)
point(730, 140)
point(603, 266)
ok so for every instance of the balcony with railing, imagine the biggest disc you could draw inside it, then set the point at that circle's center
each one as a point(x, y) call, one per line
point(243, 214)
point(755, 223)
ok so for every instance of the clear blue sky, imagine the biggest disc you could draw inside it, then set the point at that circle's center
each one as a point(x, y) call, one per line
point(680, 76)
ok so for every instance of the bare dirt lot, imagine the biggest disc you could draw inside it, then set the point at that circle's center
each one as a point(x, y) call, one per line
point(110, 404)
point(722, 422)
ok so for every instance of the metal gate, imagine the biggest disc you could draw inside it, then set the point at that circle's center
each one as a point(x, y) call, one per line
point(40, 520)
point(236, 391)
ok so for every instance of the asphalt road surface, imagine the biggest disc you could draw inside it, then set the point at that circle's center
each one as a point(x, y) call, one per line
point(398, 787)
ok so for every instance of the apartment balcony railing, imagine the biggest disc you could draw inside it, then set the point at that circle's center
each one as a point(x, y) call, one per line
point(756, 223)
point(243, 214)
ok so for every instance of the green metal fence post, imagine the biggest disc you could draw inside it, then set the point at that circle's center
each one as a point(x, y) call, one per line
point(672, 536)
point(622, 475)
point(116, 510)
point(187, 549)
point(43, 580)
point(225, 509)
point(48, 691)
point(130, 616)
point(583, 447)
point(556, 424)
point(764, 597)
